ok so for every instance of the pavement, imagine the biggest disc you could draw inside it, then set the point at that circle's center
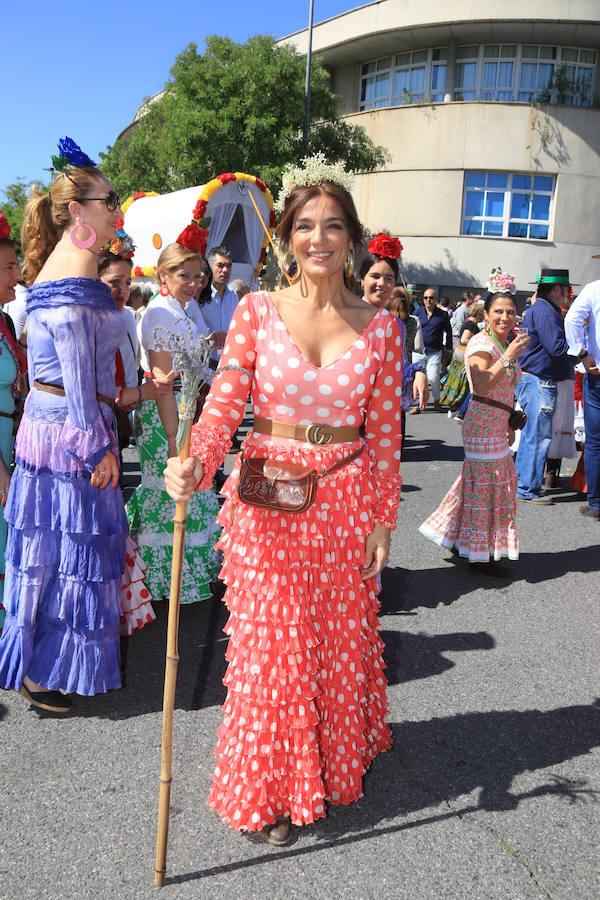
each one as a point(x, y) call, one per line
point(492, 788)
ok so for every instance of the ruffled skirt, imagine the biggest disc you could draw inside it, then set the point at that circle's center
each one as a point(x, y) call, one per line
point(150, 512)
point(478, 514)
point(64, 564)
point(136, 606)
point(306, 692)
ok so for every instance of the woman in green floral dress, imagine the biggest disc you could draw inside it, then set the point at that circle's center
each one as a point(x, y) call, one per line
point(150, 510)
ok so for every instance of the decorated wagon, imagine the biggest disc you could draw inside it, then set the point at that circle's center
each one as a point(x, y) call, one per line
point(224, 206)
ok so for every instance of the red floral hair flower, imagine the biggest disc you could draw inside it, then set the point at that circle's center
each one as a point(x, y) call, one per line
point(225, 177)
point(194, 238)
point(386, 246)
point(138, 272)
point(4, 227)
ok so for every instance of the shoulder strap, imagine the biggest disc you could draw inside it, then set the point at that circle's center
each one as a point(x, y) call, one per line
point(341, 462)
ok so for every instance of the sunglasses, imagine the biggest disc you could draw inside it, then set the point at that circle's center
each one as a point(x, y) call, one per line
point(111, 199)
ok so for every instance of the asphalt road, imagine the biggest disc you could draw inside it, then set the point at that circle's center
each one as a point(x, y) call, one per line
point(492, 789)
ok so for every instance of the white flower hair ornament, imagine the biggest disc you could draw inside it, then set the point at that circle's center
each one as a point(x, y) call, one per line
point(501, 282)
point(312, 170)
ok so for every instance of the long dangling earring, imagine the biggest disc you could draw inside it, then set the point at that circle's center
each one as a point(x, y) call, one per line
point(164, 290)
point(85, 243)
point(349, 266)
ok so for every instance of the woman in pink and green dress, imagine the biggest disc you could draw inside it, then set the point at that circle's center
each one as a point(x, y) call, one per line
point(477, 516)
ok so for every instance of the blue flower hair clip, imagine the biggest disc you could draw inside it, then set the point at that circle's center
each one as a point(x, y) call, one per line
point(70, 154)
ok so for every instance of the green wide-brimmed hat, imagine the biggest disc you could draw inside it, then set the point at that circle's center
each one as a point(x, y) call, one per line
point(553, 276)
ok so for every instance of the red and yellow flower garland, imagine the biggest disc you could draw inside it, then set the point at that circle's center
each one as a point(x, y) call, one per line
point(216, 184)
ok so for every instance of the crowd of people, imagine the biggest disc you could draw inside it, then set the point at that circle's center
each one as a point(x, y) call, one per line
point(304, 529)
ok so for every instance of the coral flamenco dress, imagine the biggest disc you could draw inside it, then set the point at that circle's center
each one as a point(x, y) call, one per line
point(478, 514)
point(306, 692)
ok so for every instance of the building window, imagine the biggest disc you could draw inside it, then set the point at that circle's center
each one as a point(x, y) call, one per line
point(466, 73)
point(405, 78)
point(526, 73)
point(501, 204)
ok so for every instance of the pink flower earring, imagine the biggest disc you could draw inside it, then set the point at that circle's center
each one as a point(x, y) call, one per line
point(85, 243)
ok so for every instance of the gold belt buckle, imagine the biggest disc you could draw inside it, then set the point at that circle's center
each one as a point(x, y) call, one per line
point(317, 433)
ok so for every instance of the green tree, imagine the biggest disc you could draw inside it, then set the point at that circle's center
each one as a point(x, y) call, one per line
point(235, 107)
point(13, 206)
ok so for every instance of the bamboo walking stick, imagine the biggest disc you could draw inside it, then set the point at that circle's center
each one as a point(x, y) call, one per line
point(192, 364)
point(172, 661)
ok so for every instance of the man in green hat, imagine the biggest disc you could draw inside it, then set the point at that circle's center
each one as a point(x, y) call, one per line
point(544, 363)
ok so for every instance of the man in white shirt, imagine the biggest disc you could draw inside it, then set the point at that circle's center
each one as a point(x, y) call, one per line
point(582, 327)
point(218, 313)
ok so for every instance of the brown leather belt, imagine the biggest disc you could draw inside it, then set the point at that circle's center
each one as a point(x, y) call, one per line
point(315, 433)
point(59, 391)
point(487, 401)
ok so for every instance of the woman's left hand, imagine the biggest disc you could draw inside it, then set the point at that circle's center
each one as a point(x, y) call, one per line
point(4, 483)
point(376, 552)
point(421, 389)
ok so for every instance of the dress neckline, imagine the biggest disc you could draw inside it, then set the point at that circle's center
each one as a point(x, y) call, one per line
point(340, 355)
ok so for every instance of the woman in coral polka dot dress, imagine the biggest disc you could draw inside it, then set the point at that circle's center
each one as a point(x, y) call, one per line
point(305, 710)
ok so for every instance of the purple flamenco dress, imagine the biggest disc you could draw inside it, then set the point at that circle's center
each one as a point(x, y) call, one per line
point(66, 539)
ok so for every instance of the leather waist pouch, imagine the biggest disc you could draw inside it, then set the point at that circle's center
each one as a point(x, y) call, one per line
point(284, 486)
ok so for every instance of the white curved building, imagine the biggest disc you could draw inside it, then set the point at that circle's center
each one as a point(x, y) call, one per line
point(490, 112)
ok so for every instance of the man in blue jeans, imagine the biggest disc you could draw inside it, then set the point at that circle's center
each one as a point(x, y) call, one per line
point(544, 363)
point(582, 326)
point(437, 337)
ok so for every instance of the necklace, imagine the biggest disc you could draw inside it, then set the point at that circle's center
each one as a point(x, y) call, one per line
point(510, 368)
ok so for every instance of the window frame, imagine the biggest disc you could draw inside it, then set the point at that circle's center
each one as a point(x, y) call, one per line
point(553, 95)
point(507, 219)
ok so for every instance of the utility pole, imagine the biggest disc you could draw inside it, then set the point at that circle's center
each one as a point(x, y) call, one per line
point(311, 9)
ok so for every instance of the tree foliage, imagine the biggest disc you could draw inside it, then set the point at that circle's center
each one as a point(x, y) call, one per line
point(235, 107)
point(13, 206)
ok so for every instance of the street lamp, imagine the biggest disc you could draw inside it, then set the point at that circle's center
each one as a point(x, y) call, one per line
point(311, 9)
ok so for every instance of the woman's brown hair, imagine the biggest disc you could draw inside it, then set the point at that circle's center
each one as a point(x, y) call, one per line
point(399, 303)
point(47, 215)
point(300, 196)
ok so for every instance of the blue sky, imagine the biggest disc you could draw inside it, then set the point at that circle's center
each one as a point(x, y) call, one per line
point(82, 69)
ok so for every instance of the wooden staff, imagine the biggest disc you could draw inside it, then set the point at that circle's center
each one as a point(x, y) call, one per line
point(172, 660)
point(270, 239)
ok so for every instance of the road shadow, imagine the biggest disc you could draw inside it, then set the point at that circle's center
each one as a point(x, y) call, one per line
point(437, 761)
point(406, 590)
point(431, 450)
point(410, 657)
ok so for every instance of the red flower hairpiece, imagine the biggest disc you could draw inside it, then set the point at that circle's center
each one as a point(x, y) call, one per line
point(4, 227)
point(194, 238)
point(384, 245)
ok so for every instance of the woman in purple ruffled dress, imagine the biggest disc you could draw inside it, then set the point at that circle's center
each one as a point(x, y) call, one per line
point(66, 522)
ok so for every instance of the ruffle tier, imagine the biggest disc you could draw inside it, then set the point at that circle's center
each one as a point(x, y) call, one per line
point(150, 513)
point(306, 691)
point(478, 514)
point(135, 598)
point(64, 565)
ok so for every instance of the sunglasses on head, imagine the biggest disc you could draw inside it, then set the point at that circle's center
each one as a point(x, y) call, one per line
point(111, 199)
